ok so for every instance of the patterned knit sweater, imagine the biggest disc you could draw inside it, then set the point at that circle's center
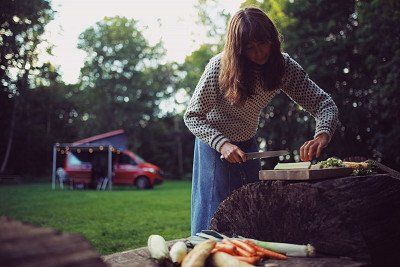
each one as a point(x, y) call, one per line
point(214, 120)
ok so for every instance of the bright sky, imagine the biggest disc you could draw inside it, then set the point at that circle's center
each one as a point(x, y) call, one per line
point(174, 22)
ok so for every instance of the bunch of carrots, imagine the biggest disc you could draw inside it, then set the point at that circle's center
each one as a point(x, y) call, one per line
point(245, 250)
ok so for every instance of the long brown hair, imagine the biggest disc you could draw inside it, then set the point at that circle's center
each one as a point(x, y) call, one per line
point(236, 80)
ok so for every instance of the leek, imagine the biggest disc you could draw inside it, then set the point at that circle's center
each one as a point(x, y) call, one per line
point(287, 249)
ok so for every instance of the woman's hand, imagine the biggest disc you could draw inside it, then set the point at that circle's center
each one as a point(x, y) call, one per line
point(314, 147)
point(232, 153)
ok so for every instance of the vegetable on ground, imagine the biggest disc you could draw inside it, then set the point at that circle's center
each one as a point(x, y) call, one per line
point(198, 255)
point(287, 249)
point(221, 259)
point(157, 247)
point(266, 253)
point(178, 252)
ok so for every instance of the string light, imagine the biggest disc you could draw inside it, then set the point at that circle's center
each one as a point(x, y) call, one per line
point(90, 150)
point(78, 150)
point(101, 147)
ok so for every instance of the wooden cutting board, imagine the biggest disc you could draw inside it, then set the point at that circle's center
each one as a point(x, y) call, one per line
point(305, 174)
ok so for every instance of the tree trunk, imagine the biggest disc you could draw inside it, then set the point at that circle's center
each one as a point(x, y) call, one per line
point(10, 136)
point(178, 139)
point(22, 85)
point(357, 217)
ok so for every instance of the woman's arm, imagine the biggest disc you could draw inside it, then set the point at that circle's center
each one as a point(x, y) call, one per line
point(301, 89)
point(202, 101)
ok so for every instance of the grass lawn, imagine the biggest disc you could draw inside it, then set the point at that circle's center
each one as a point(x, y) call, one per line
point(112, 221)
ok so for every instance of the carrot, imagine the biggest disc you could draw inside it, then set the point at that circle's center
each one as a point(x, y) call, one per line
point(242, 252)
point(243, 245)
point(267, 253)
point(227, 248)
point(251, 260)
point(260, 254)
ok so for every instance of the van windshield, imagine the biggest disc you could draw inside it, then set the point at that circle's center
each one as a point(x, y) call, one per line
point(72, 160)
point(139, 159)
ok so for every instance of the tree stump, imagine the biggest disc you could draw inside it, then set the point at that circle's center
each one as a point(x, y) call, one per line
point(356, 217)
point(27, 245)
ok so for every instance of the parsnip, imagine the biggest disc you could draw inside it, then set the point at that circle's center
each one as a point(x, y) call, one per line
point(197, 257)
point(221, 259)
point(178, 252)
point(158, 247)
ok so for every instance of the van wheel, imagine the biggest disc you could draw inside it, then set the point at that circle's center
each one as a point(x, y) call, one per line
point(143, 182)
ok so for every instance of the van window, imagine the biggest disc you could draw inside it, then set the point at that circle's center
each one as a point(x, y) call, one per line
point(124, 159)
point(139, 159)
point(72, 160)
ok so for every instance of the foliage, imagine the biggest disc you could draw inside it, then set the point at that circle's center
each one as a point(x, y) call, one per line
point(21, 30)
point(48, 114)
point(21, 27)
point(341, 45)
point(111, 221)
point(274, 9)
point(194, 66)
point(378, 42)
point(122, 77)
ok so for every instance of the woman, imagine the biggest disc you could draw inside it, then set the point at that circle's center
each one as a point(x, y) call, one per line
point(224, 110)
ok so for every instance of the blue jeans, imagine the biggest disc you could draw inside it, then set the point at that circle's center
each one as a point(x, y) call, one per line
point(214, 180)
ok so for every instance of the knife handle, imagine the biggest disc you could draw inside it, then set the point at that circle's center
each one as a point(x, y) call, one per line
point(224, 160)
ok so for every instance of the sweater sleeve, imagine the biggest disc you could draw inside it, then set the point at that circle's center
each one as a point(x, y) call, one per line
point(302, 90)
point(202, 101)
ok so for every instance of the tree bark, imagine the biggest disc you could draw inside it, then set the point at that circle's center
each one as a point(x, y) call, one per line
point(10, 136)
point(357, 217)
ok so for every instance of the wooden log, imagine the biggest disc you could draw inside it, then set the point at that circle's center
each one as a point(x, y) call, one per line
point(356, 217)
point(27, 245)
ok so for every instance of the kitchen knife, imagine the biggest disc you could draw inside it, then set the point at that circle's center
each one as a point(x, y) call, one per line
point(263, 155)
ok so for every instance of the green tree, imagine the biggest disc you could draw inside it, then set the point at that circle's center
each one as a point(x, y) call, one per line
point(194, 66)
point(379, 49)
point(123, 79)
point(48, 114)
point(275, 10)
point(351, 49)
point(321, 39)
point(21, 26)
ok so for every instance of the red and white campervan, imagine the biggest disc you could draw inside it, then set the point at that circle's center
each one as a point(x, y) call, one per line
point(128, 167)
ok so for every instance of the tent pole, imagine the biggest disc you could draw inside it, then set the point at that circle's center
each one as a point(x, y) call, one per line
point(110, 166)
point(53, 176)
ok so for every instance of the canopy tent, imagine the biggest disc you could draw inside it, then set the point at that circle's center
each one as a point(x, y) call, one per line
point(106, 143)
point(117, 139)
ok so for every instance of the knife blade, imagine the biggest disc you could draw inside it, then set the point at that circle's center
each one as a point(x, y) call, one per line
point(265, 154)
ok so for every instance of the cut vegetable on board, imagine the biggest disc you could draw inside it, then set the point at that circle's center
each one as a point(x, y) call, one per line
point(293, 166)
